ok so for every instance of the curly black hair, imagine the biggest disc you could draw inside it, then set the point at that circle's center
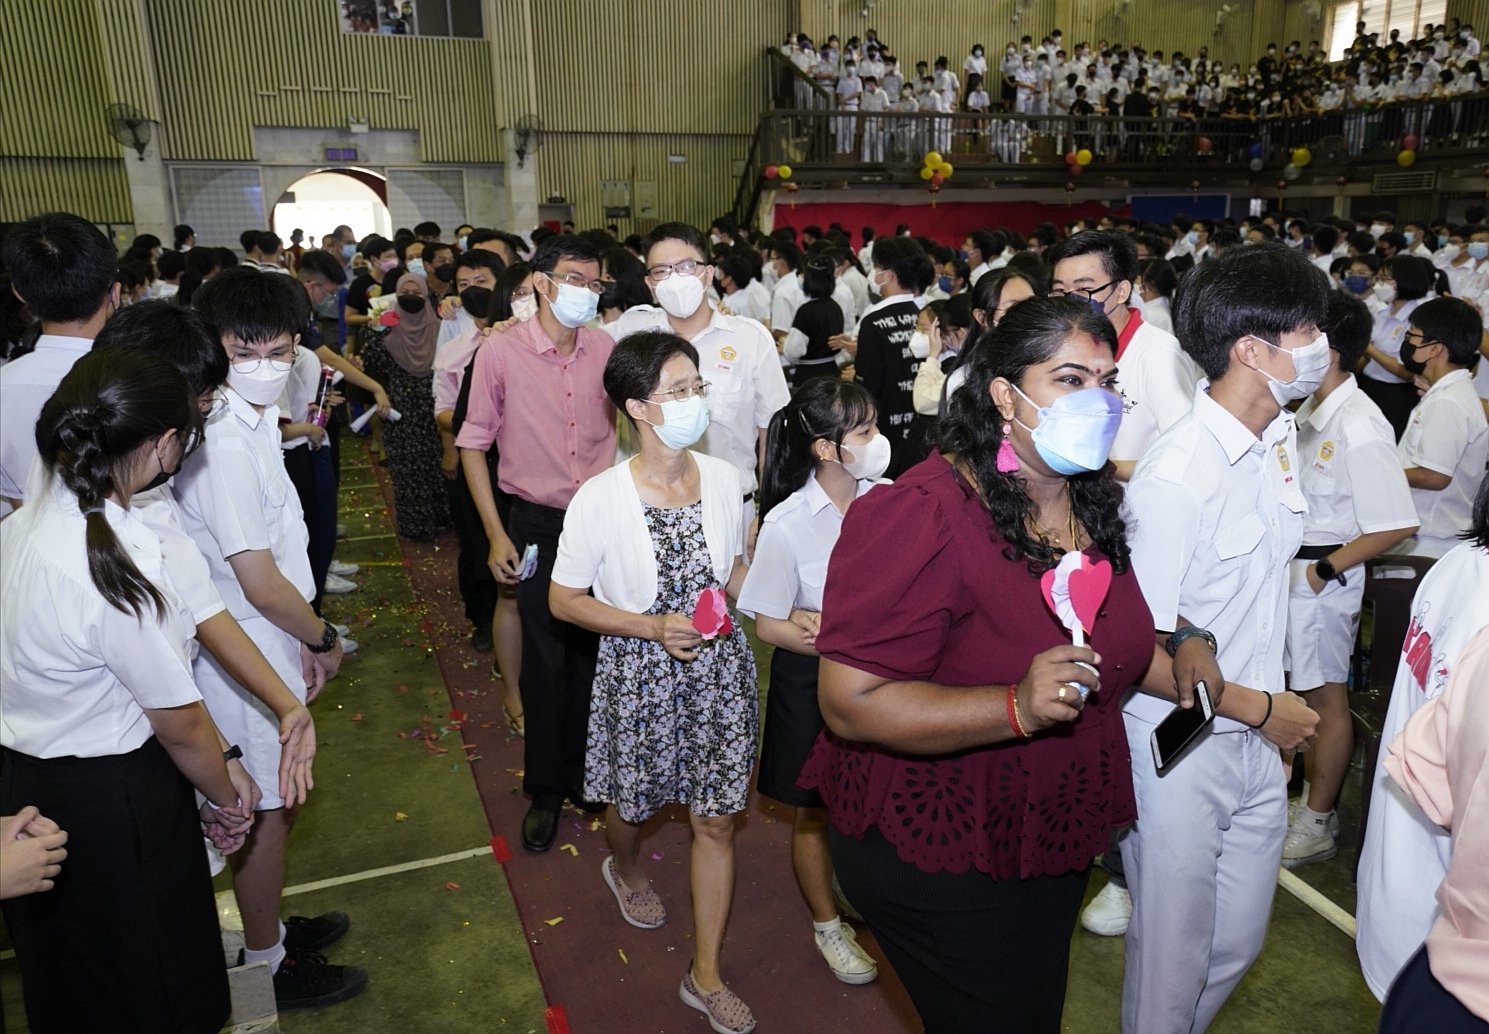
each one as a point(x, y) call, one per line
point(1029, 334)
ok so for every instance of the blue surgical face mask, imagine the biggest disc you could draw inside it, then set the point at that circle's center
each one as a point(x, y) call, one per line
point(348, 251)
point(1075, 432)
point(416, 266)
point(1442, 240)
point(683, 421)
point(1356, 284)
point(574, 306)
point(1478, 250)
point(945, 284)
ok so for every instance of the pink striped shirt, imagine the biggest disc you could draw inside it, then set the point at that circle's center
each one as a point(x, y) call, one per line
point(548, 414)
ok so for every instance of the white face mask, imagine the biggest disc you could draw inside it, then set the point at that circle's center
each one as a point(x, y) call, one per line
point(1385, 292)
point(683, 421)
point(525, 308)
point(1310, 363)
point(920, 344)
point(259, 381)
point(680, 295)
point(416, 266)
point(871, 459)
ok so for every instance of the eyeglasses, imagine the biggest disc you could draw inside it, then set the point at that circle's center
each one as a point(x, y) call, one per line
point(686, 267)
point(1089, 292)
point(577, 280)
point(212, 406)
point(682, 394)
point(277, 363)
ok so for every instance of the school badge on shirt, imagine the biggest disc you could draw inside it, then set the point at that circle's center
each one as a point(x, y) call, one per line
point(1326, 451)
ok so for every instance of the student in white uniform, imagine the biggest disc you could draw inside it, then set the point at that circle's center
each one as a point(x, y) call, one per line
point(1406, 854)
point(823, 452)
point(875, 99)
point(1155, 376)
point(1446, 443)
point(1215, 512)
point(786, 296)
point(1359, 506)
point(745, 296)
point(1403, 283)
point(241, 509)
point(849, 92)
point(62, 267)
point(104, 729)
point(736, 356)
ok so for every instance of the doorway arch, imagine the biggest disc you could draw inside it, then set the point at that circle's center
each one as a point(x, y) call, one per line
point(326, 198)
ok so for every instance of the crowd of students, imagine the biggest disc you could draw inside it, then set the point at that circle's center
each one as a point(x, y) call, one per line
point(626, 435)
point(1355, 95)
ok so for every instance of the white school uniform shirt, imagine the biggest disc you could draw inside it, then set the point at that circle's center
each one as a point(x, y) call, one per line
point(1406, 855)
point(796, 539)
point(1447, 433)
point(746, 303)
point(1214, 514)
point(1157, 381)
point(843, 295)
point(973, 64)
point(1323, 262)
point(858, 286)
point(946, 84)
point(1351, 478)
point(978, 100)
point(25, 385)
point(738, 359)
point(875, 99)
point(461, 323)
point(300, 392)
point(849, 91)
point(1386, 335)
point(78, 672)
point(450, 361)
point(785, 300)
point(235, 496)
point(1159, 314)
point(606, 546)
point(1468, 280)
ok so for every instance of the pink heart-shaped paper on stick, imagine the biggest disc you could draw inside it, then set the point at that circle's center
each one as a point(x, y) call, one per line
point(1089, 584)
point(710, 615)
point(1047, 586)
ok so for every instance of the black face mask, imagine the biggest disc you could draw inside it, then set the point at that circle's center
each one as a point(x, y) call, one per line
point(476, 301)
point(1415, 366)
point(410, 303)
point(445, 271)
point(610, 299)
point(163, 476)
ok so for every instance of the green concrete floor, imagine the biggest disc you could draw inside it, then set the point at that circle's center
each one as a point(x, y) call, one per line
point(454, 960)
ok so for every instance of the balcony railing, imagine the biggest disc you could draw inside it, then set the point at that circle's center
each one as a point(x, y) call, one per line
point(817, 141)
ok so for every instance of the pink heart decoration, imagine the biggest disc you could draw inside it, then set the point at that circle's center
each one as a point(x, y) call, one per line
point(711, 615)
point(1089, 585)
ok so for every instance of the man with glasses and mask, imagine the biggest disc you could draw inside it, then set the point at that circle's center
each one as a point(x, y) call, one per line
point(736, 356)
point(1155, 377)
point(1215, 516)
point(541, 398)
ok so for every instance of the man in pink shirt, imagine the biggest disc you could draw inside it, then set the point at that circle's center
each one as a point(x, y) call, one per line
point(540, 397)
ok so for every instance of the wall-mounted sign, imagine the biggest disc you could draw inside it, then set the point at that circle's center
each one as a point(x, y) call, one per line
point(617, 211)
point(341, 154)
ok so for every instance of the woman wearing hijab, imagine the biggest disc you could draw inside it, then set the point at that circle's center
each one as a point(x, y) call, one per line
point(402, 357)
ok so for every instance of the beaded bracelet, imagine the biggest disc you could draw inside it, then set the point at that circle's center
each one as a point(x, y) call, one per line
point(1015, 721)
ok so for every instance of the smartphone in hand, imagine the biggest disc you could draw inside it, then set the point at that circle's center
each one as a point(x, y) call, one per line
point(1183, 726)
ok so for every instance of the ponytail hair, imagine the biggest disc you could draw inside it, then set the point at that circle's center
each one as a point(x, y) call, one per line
point(110, 404)
point(823, 407)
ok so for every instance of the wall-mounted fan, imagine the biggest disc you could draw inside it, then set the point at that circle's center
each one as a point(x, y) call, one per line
point(130, 127)
point(529, 136)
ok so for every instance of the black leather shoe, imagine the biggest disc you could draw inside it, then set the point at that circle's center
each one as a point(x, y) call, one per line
point(539, 828)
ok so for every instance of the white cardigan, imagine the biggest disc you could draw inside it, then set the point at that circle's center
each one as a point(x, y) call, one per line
point(606, 546)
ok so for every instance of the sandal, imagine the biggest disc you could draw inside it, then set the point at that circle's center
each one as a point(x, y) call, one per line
point(514, 721)
point(726, 1013)
point(640, 908)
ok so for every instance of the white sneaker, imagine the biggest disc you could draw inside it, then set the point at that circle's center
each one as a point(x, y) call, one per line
point(342, 568)
point(1309, 840)
point(335, 584)
point(342, 630)
point(341, 531)
point(1109, 912)
point(348, 646)
point(848, 962)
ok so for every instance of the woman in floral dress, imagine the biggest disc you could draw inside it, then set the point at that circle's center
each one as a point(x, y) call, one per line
point(674, 711)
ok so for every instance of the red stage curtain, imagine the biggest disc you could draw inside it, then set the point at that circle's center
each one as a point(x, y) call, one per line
point(947, 222)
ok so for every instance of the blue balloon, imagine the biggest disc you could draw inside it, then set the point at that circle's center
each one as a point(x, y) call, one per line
point(1256, 150)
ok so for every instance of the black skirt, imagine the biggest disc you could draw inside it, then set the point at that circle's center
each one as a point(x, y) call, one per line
point(792, 722)
point(127, 940)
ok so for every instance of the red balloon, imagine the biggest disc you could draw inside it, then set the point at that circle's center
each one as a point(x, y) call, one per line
point(1409, 142)
point(937, 180)
point(1070, 158)
point(1203, 145)
point(1076, 170)
point(771, 172)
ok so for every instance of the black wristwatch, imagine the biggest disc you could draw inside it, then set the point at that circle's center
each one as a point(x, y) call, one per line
point(1327, 573)
point(328, 639)
point(233, 753)
point(1176, 640)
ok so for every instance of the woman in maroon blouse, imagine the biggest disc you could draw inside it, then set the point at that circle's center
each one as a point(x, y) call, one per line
point(968, 785)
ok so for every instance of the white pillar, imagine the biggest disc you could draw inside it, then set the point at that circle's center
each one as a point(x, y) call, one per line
point(522, 187)
point(150, 193)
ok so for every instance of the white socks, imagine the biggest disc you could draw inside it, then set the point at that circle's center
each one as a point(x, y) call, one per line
point(829, 926)
point(273, 956)
point(1307, 816)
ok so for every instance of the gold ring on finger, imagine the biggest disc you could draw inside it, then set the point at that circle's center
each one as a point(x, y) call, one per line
point(1060, 695)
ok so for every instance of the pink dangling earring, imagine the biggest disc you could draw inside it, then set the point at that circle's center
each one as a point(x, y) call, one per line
point(1008, 460)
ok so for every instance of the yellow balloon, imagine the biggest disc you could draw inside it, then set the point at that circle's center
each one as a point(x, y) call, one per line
point(946, 170)
point(926, 172)
point(1406, 159)
point(1302, 156)
point(1083, 157)
point(783, 171)
point(933, 159)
